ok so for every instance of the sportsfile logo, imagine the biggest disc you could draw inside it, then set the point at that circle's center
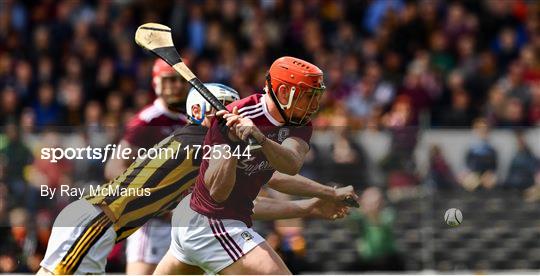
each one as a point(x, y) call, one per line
point(110, 151)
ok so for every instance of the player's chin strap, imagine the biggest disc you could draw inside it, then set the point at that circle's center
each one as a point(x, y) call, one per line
point(274, 98)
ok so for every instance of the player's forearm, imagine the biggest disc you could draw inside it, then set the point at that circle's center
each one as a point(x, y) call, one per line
point(281, 158)
point(271, 209)
point(220, 178)
point(300, 186)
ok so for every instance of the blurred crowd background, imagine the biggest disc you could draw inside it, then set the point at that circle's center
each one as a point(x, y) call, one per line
point(71, 75)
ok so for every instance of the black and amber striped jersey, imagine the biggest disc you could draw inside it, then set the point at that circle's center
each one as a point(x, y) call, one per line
point(153, 185)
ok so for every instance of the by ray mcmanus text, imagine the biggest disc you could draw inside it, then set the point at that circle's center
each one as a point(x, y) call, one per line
point(80, 192)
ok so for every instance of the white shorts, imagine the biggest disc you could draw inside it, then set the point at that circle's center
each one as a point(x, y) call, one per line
point(150, 243)
point(81, 240)
point(211, 244)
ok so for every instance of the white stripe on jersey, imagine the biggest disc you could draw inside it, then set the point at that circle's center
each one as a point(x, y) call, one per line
point(249, 107)
point(256, 110)
point(251, 116)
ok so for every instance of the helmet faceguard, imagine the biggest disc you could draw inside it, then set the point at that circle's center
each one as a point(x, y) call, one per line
point(302, 81)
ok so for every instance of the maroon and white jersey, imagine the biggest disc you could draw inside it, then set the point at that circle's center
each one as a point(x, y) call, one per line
point(251, 173)
point(152, 124)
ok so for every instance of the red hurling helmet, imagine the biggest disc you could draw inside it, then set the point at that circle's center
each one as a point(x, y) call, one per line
point(296, 78)
point(159, 70)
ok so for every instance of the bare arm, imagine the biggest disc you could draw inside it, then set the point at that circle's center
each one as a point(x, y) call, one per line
point(272, 209)
point(115, 166)
point(220, 176)
point(286, 158)
point(269, 209)
point(300, 186)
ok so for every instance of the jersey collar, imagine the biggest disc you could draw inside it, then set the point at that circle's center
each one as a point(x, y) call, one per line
point(267, 114)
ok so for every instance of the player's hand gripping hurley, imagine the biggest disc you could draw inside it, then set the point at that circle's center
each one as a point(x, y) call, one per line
point(157, 39)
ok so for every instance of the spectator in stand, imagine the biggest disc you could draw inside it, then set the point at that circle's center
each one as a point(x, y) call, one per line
point(287, 239)
point(21, 243)
point(114, 108)
point(494, 107)
point(348, 164)
point(376, 12)
point(369, 94)
point(93, 117)
point(399, 164)
point(47, 109)
point(531, 63)
point(16, 157)
point(482, 79)
point(524, 166)
point(45, 70)
point(533, 115)
point(72, 96)
point(480, 159)
point(459, 22)
point(513, 114)
point(512, 83)
point(376, 246)
point(440, 175)
point(337, 86)
point(441, 59)
point(27, 126)
point(9, 263)
point(23, 80)
point(458, 113)
point(506, 46)
point(467, 57)
point(105, 79)
point(9, 105)
point(421, 85)
point(391, 70)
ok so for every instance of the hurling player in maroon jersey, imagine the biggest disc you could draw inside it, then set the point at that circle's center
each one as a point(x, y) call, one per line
point(212, 227)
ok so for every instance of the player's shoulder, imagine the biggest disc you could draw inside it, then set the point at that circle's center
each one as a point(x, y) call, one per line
point(148, 114)
point(158, 115)
point(246, 103)
point(252, 107)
